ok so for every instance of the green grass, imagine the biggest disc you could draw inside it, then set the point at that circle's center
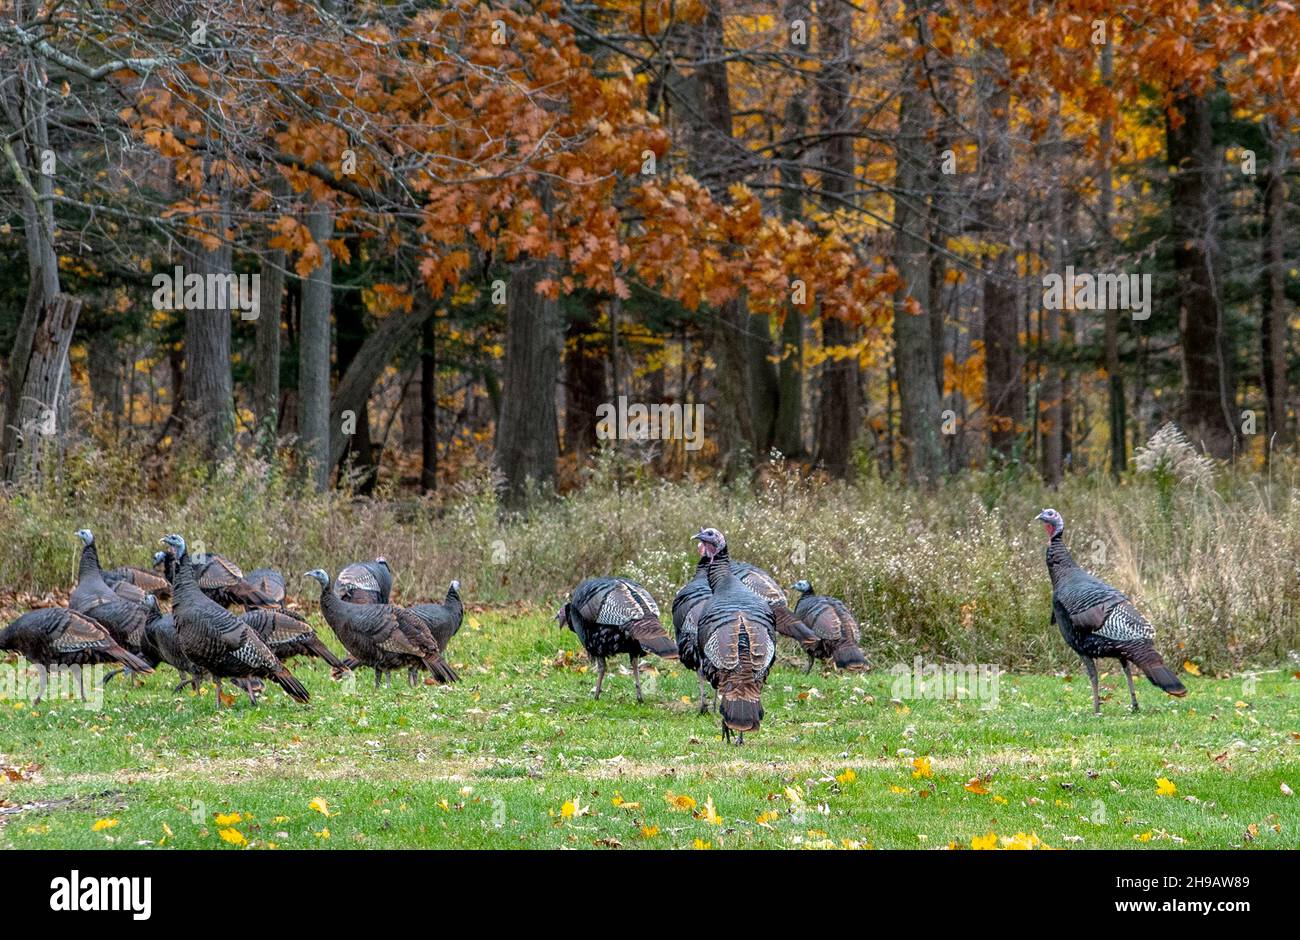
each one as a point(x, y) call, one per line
point(492, 761)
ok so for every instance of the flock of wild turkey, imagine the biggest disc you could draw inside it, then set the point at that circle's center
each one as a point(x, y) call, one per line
point(725, 619)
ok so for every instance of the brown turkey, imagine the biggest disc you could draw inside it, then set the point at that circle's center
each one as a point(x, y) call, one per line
point(57, 636)
point(837, 630)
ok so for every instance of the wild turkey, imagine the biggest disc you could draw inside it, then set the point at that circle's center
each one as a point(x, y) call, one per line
point(1099, 621)
point(766, 588)
point(384, 637)
point(737, 641)
point(221, 580)
point(365, 582)
point(837, 631)
point(162, 645)
point(218, 642)
point(146, 582)
point(58, 636)
point(289, 635)
point(686, 607)
point(612, 616)
point(443, 620)
point(123, 619)
point(269, 583)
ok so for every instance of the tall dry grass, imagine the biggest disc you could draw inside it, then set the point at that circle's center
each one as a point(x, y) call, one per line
point(956, 573)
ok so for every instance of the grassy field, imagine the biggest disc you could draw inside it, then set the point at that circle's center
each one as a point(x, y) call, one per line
point(518, 754)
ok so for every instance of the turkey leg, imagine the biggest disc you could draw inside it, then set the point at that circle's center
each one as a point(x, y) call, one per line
point(1091, 665)
point(600, 675)
point(636, 678)
point(704, 693)
point(1128, 674)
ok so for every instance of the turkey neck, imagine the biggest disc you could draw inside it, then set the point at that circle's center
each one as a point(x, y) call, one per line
point(183, 584)
point(89, 565)
point(453, 601)
point(719, 569)
point(331, 605)
point(1059, 559)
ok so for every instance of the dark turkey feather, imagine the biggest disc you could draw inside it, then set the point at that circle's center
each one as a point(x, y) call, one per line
point(220, 643)
point(686, 606)
point(443, 620)
point(383, 636)
point(1099, 621)
point(616, 615)
point(365, 582)
point(737, 642)
point(58, 636)
point(288, 635)
point(838, 636)
point(766, 588)
point(123, 619)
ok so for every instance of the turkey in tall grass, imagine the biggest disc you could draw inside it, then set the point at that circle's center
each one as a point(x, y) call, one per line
point(1099, 621)
point(613, 616)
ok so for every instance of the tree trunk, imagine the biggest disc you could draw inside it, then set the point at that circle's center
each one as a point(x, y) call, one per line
point(208, 416)
point(350, 338)
point(266, 358)
point(584, 383)
point(1051, 412)
point(314, 353)
point(917, 385)
point(527, 444)
point(428, 407)
point(38, 443)
point(1116, 410)
point(1275, 312)
point(839, 418)
point(1004, 398)
point(1207, 403)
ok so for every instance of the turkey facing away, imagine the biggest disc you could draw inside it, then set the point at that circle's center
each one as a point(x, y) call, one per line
point(384, 637)
point(122, 618)
point(216, 640)
point(612, 616)
point(1099, 621)
point(366, 582)
point(58, 636)
point(766, 588)
point(736, 639)
point(837, 631)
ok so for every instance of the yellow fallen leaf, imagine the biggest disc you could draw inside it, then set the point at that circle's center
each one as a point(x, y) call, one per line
point(709, 815)
point(1143, 836)
point(319, 804)
point(999, 799)
point(323, 834)
point(702, 845)
point(1191, 668)
point(766, 817)
point(976, 785)
point(1165, 787)
point(679, 801)
point(921, 767)
point(848, 776)
point(233, 836)
point(985, 843)
point(227, 819)
point(102, 824)
point(649, 832)
point(894, 788)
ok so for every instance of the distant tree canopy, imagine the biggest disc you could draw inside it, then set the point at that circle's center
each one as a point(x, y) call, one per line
point(903, 238)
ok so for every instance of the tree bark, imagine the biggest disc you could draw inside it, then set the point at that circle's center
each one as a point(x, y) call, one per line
point(1051, 411)
point(314, 353)
point(917, 383)
point(584, 383)
point(428, 407)
point(839, 417)
point(1208, 400)
point(266, 358)
point(527, 443)
point(1275, 311)
point(1004, 398)
point(208, 416)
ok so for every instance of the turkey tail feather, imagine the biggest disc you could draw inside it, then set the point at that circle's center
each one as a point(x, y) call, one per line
point(440, 670)
point(740, 714)
point(650, 633)
point(131, 661)
point(789, 625)
point(285, 680)
point(1149, 661)
point(850, 657)
point(321, 651)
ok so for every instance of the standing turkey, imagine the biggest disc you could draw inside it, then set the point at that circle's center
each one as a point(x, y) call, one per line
point(837, 630)
point(443, 620)
point(365, 582)
point(1099, 621)
point(384, 637)
point(612, 616)
point(162, 645)
point(686, 607)
point(58, 636)
point(124, 619)
point(766, 588)
point(269, 583)
point(216, 640)
point(737, 641)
